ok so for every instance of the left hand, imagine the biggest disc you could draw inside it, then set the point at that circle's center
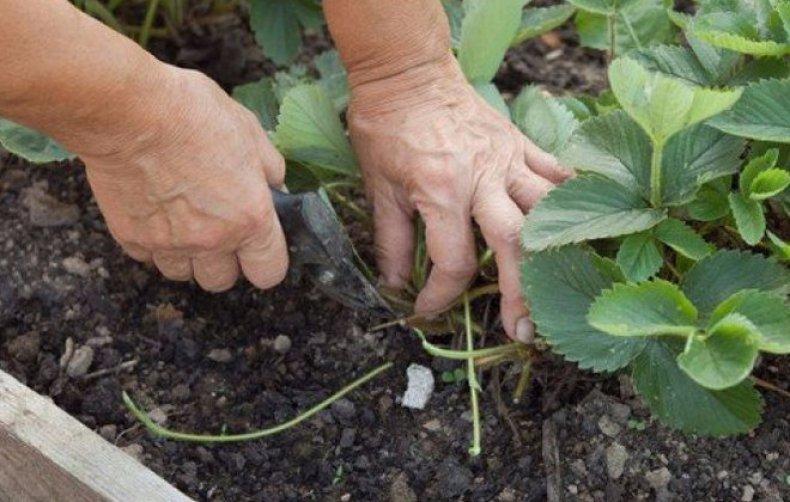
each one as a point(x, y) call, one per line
point(427, 142)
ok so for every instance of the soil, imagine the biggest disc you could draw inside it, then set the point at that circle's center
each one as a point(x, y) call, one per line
point(80, 322)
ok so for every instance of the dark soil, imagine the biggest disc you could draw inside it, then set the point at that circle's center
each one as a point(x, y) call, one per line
point(207, 363)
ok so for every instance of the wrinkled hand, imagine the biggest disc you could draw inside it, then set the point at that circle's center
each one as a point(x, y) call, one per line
point(436, 147)
point(190, 190)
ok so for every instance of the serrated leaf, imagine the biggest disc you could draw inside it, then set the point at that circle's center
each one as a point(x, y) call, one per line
point(683, 239)
point(722, 357)
point(560, 285)
point(334, 78)
point(579, 107)
point(768, 312)
point(276, 26)
point(711, 202)
point(769, 183)
point(780, 248)
point(754, 167)
point(584, 208)
point(309, 132)
point(737, 32)
point(491, 95)
point(681, 403)
point(638, 257)
point(543, 119)
point(724, 273)
point(30, 145)
point(486, 32)
point(538, 20)
point(454, 10)
point(603, 7)
point(639, 24)
point(763, 112)
point(651, 308)
point(702, 64)
point(749, 218)
point(663, 105)
point(259, 97)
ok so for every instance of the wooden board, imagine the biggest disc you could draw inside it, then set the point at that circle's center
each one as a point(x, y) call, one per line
point(46, 455)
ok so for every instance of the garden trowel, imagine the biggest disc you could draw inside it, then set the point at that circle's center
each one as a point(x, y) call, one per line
point(319, 248)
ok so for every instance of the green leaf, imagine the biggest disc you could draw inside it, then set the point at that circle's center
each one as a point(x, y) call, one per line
point(769, 183)
point(544, 120)
point(486, 32)
point(276, 26)
point(711, 201)
point(639, 257)
point(651, 308)
point(603, 7)
point(454, 10)
point(538, 20)
point(584, 208)
point(683, 239)
point(310, 132)
point(579, 107)
point(722, 357)
point(491, 95)
point(749, 218)
point(663, 105)
point(695, 156)
point(560, 285)
point(702, 64)
point(724, 273)
point(768, 312)
point(259, 97)
point(681, 403)
point(737, 32)
point(780, 248)
point(626, 160)
point(333, 79)
point(30, 145)
point(763, 112)
point(638, 24)
point(756, 166)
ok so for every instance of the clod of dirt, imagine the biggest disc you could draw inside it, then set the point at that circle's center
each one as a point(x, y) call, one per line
point(220, 355)
point(80, 362)
point(616, 455)
point(135, 451)
point(47, 211)
point(24, 348)
point(419, 386)
point(400, 491)
point(658, 479)
point(453, 479)
point(76, 266)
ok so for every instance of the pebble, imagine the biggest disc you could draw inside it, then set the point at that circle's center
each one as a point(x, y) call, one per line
point(108, 432)
point(432, 425)
point(658, 478)
point(135, 451)
point(180, 392)
point(80, 362)
point(616, 455)
point(608, 426)
point(75, 265)
point(282, 344)
point(347, 438)
point(158, 415)
point(47, 211)
point(343, 409)
point(419, 387)
point(748, 493)
point(220, 355)
point(25, 348)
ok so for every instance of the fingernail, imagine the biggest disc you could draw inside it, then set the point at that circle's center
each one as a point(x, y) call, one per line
point(525, 331)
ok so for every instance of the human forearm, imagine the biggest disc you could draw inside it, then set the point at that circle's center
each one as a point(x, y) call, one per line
point(74, 79)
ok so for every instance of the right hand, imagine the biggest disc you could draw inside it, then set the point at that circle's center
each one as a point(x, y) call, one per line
point(189, 190)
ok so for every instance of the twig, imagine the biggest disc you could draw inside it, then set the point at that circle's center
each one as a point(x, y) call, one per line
point(768, 385)
point(475, 449)
point(148, 21)
point(160, 431)
point(126, 365)
point(523, 380)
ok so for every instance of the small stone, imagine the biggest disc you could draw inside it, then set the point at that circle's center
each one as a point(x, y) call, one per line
point(47, 211)
point(616, 455)
point(80, 362)
point(608, 426)
point(343, 409)
point(573, 489)
point(748, 493)
point(507, 495)
point(220, 355)
point(771, 456)
point(25, 348)
point(135, 451)
point(419, 387)
point(579, 468)
point(75, 265)
point(620, 412)
point(180, 392)
point(282, 344)
point(400, 491)
point(433, 425)
point(108, 432)
point(658, 478)
point(722, 474)
point(345, 497)
point(347, 438)
point(158, 415)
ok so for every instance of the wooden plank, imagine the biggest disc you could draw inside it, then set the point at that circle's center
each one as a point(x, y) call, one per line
point(45, 454)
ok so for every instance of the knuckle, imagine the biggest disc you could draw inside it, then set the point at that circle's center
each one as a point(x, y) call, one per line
point(458, 270)
point(210, 239)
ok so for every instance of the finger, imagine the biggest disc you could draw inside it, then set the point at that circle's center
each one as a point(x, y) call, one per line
point(500, 221)
point(216, 273)
point(174, 266)
point(137, 253)
point(394, 241)
point(264, 257)
point(273, 163)
point(527, 188)
point(450, 244)
point(544, 163)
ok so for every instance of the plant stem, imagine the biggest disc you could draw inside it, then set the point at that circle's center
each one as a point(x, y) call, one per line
point(475, 449)
point(631, 31)
point(612, 35)
point(655, 173)
point(470, 353)
point(148, 21)
point(523, 380)
point(350, 204)
point(160, 431)
point(768, 385)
